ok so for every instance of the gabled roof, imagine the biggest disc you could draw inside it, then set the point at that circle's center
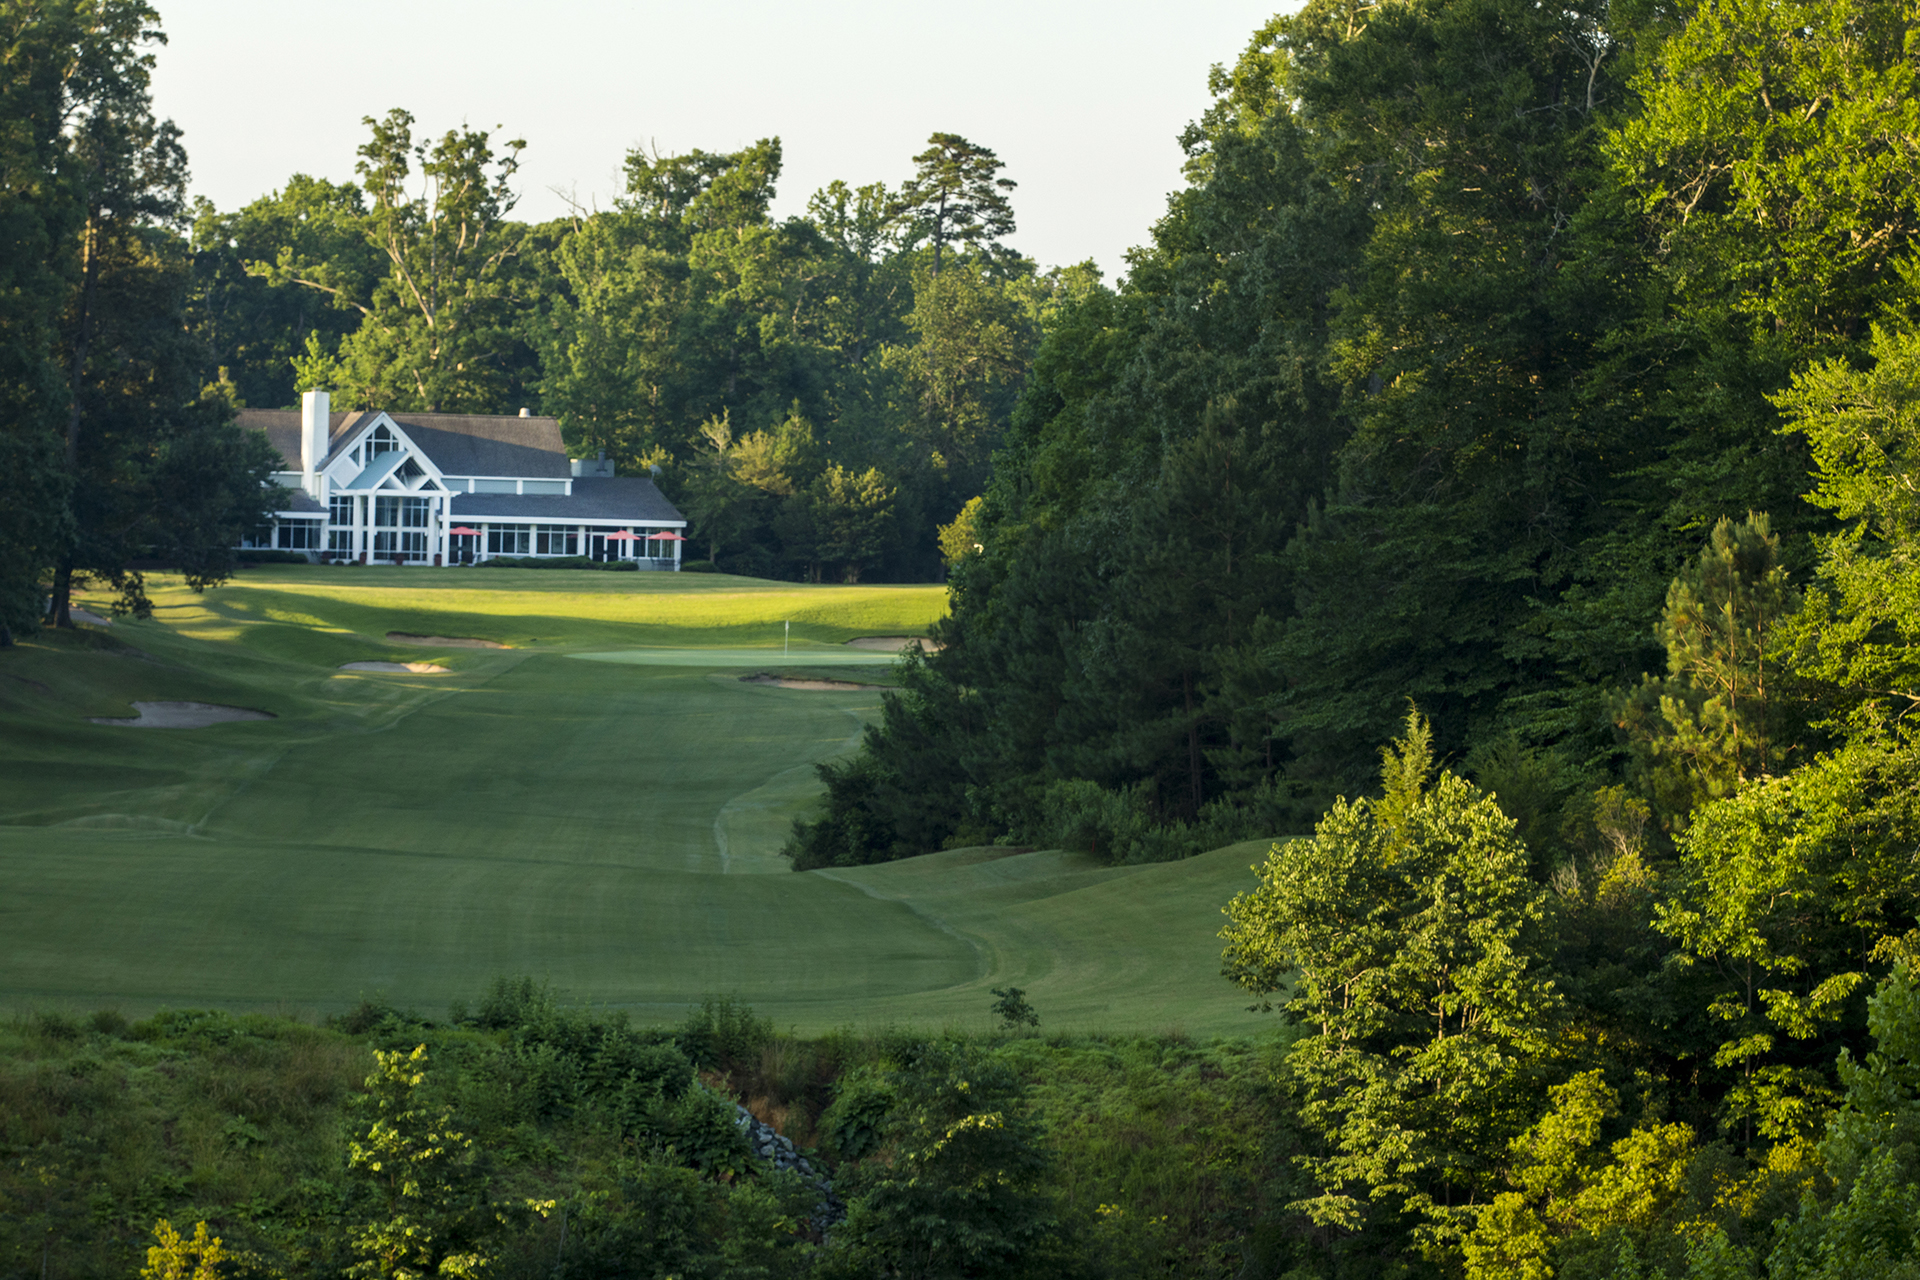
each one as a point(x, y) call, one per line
point(459, 444)
point(631, 499)
point(382, 466)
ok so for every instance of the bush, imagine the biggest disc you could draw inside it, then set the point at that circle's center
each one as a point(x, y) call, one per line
point(697, 566)
point(724, 1036)
point(263, 555)
point(556, 562)
point(1119, 827)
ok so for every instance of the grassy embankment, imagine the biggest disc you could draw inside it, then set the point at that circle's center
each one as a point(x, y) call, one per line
point(610, 825)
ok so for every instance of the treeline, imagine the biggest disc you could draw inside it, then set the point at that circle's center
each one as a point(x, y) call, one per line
point(113, 449)
point(1554, 371)
point(820, 393)
point(1472, 323)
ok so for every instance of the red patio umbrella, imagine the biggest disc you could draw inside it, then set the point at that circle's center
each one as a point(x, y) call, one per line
point(464, 532)
point(670, 537)
point(621, 536)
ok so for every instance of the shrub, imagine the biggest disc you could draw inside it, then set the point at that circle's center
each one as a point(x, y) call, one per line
point(556, 562)
point(697, 566)
point(263, 555)
point(724, 1036)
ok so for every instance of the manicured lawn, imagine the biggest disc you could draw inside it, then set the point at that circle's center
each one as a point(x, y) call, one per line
point(611, 824)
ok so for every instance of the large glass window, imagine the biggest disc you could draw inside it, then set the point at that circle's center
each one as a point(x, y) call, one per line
point(340, 509)
point(509, 539)
point(557, 540)
point(390, 516)
point(299, 535)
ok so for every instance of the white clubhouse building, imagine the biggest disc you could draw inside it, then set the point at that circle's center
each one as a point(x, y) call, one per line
point(443, 488)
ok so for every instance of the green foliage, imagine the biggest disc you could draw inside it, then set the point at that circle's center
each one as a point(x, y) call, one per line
point(1870, 1226)
point(724, 1035)
point(964, 1192)
point(1864, 428)
point(176, 1257)
point(959, 539)
point(1409, 943)
point(1716, 722)
point(556, 562)
point(430, 1206)
point(955, 196)
point(1012, 1009)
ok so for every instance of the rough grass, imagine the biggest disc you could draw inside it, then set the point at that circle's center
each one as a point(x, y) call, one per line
point(611, 826)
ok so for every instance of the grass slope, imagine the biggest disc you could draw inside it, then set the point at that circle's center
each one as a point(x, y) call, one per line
point(610, 825)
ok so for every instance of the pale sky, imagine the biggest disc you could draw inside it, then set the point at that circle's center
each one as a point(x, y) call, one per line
point(1084, 102)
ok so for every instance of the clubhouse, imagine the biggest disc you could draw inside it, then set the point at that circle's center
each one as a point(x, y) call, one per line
point(438, 488)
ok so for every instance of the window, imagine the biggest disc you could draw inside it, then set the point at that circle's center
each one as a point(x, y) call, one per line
point(509, 539)
point(414, 512)
point(557, 540)
point(341, 541)
point(299, 535)
point(340, 510)
point(386, 513)
point(380, 440)
point(261, 535)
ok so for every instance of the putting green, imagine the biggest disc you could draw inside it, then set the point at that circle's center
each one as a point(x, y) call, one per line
point(611, 825)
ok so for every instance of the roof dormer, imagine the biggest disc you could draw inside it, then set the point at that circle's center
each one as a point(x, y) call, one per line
point(380, 456)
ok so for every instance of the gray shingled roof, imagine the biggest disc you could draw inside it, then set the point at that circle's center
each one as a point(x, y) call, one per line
point(484, 445)
point(302, 503)
point(283, 430)
point(459, 444)
point(628, 499)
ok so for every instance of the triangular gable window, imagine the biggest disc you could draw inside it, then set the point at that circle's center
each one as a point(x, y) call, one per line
point(376, 442)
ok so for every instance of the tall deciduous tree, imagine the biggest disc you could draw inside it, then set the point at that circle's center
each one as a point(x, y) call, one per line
point(257, 329)
point(430, 1211)
point(152, 465)
point(436, 327)
point(1408, 939)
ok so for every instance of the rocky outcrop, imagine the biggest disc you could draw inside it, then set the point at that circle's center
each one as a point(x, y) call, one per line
point(778, 1151)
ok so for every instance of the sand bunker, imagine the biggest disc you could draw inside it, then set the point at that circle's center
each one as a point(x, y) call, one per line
point(448, 642)
point(894, 644)
point(181, 715)
point(418, 668)
point(818, 686)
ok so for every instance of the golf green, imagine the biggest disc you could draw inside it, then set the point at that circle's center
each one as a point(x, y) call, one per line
point(597, 800)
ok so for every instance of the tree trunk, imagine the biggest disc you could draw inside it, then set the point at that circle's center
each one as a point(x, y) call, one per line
point(1193, 746)
point(62, 612)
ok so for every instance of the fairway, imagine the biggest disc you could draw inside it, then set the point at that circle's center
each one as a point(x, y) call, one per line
point(599, 803)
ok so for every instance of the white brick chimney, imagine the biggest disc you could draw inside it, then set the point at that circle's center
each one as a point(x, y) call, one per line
point(313, 438)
